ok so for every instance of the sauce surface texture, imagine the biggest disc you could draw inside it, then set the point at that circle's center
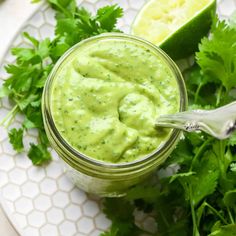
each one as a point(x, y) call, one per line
point(106, 97)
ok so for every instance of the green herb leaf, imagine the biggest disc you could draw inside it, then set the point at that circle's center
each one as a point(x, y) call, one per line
point(181, 175)
point(121, 212)
point(148, 193)
point(228, 230)
point(16, 139)
point(216, 57)
point(107, 16)
point(39, 154)
point(112, 232)
point(33, 40)
point(232, 139)
point(205, 181)
point(4, 91)
point(230, 198)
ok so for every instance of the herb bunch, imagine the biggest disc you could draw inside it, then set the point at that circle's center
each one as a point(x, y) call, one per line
point(200, 199)
point(28, 74)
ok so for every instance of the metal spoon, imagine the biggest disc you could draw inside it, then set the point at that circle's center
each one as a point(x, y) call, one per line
point(219, 123)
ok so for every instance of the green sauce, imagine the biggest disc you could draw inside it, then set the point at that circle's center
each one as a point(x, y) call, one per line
point(106, 97)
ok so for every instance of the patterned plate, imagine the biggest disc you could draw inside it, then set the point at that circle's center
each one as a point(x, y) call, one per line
point(43, 201)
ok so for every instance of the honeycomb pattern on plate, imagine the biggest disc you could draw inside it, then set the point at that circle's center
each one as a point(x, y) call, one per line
point(43, 201)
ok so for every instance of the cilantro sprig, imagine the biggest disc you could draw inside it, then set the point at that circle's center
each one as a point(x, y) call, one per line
point(28, 74)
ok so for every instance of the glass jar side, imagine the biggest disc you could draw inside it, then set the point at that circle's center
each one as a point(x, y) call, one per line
point(107, 179)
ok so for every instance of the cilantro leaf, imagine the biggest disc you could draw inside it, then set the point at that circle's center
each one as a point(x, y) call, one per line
point(182, 154)
point(230, 198)
point(201, 87)
point(33, 40)
point(38, 154)
point(23, 54)
point(24, 103)
point(64, 7)
point(217, 54)
point(204, 182)
point(181, 175)
point(232, 139)
point(73, 28)
point(4, 91)
point(44, 48)
point(232, 167)
point(228, 230)
point(121, 213)
point(148, 193)
point(16, 139)
point(108, 15)
point(112, 232)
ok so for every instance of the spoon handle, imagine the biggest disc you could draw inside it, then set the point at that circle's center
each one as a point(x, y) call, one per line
point(219, 123)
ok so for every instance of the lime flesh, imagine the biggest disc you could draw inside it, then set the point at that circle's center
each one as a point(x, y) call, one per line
point(175, 26)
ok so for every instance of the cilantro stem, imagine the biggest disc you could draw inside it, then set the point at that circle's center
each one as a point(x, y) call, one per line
point(66, 12)
point(221, 160)
point(195, 228)
point(197, 93)
point(219, 96)
point(230, 215)
point(216, 213)
point(164, 219)
point(9, 121)
point(9, 116)
point(19, 95)
point(190, 92)
point(200, 150)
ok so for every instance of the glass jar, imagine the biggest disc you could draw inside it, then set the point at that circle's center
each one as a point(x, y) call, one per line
point(102, 178)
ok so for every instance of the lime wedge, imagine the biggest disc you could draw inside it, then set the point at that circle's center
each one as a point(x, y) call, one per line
point(175, 26)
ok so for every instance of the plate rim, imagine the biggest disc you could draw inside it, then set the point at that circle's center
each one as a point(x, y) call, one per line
point(19, 30)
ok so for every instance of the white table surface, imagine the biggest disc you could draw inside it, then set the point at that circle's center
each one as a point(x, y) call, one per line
point(13, 13)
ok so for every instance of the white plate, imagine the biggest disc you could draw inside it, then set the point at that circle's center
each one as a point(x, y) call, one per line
point(43, 201)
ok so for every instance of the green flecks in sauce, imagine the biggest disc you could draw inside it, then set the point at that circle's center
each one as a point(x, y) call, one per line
point(106, 97)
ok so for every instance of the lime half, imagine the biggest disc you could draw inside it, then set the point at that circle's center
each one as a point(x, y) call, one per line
point(175, 26)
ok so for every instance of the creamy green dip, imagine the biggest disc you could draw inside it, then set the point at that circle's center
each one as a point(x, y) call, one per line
point(107, 95)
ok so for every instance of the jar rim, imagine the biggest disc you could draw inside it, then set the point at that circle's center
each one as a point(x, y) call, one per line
point(172, 137)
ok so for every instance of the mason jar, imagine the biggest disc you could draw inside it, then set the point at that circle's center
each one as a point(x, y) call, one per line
point(99, 177)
